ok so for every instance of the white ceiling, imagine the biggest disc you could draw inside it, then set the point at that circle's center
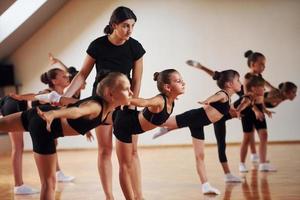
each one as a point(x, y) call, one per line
point(30, 25)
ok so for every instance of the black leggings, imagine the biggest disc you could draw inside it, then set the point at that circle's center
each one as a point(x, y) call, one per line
point(220, 133)
point(9, 106)
point(43, 141)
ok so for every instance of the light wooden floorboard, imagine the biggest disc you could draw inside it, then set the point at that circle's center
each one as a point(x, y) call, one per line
point(168, 174)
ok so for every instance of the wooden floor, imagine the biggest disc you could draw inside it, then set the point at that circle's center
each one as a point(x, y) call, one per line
point(168, 174)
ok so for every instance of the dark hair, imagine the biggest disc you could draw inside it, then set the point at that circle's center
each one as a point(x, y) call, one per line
point(162, 78)
point(111, 80)
point(252, 56)
point(224, 76)
point(119, 15)
point(287, 86)
point(255, 81)
point(48, 76)
point(72, 72)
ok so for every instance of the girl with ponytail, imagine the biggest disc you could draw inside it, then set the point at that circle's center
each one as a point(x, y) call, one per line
point(132, 122)
point(215, 107)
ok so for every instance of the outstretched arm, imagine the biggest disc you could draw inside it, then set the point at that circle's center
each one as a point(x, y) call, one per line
point(87, 109)
point(154, 101)
point(270, 86)
point(245, 103)
point(198, 65)
point(216, 97)
point(81, 76)
point(56, 62)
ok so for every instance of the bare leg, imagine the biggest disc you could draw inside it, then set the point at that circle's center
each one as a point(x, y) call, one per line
point(57, 163)
point(199, 155)
point(17, 144)
point(244, 146)
point(46, 165)
point(104, 138)
point(12, 123)
point(137, 174)
point(263, 136)
point(125, 158)
point(252, 144)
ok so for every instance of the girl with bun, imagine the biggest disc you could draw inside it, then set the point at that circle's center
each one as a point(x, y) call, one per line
point(129, 122)
point(215, 107)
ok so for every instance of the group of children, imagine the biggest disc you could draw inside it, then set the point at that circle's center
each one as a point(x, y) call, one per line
point(112, 109)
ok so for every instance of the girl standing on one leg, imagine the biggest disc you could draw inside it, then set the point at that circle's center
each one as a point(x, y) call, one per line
point(9, 106)
point(57, 80)
point(77, 118)
point(220, 128)
point(215, 107)
point(116, 51)
point(128, 123)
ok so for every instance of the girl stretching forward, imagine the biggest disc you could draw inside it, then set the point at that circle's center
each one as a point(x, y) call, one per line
point(131, 122)
point(215, 107)
point(78, 118)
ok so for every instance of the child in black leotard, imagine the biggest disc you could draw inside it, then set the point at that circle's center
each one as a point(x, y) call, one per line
point(286, 91)
point(113, 91)
point(215, 107)
point(220, 129)
point(132, 122)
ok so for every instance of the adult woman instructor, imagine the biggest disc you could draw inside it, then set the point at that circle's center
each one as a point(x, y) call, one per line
point(116, 51)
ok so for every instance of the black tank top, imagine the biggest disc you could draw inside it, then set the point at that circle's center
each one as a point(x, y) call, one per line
point(223, 108)
point(158, 118)
point(82, 124)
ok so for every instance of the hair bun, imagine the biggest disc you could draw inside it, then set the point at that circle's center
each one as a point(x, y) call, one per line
point(280, 86)
point(216, 75)
point(155, 76)
point(248, 53)
point(44, 78)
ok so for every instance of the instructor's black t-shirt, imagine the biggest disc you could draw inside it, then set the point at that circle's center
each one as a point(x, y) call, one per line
point(111, 58)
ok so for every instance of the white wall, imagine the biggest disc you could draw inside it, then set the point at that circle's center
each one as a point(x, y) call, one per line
point(217, 33)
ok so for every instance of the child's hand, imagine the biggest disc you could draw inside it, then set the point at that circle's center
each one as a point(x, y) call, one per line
point(259, 115)
point(269, 113)
point(89, 136)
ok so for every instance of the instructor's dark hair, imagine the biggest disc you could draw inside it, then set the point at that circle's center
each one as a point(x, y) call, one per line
point(224, 76)
point(252, 56)
point(119, 15)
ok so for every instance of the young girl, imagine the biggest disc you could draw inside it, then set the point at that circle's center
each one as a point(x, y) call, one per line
point(9, 106)
point(77, 118)
point(220, 129)
point(132, 122)
point(215, 107)
point(256, 63)
point(286, 91)
point(57, 80)
point(115, 51)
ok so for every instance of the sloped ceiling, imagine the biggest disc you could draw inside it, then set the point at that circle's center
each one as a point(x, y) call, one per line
point(30, 25)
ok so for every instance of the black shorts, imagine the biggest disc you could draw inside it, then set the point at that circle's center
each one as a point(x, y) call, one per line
point(11, 106)
point(195, 119)
point(249, 121)
point(42, 140)
point(126, 123)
